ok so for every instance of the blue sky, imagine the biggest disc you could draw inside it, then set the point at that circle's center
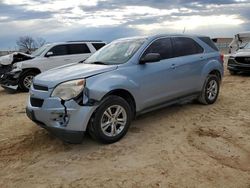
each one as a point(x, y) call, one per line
point(61, 20)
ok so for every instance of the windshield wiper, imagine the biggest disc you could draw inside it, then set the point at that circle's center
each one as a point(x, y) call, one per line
point(98, 63)
point(82, 61)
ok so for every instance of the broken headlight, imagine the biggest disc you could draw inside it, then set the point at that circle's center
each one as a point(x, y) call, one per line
point(69, 90)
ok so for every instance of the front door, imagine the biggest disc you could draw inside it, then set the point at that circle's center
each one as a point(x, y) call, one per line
point(158, 80)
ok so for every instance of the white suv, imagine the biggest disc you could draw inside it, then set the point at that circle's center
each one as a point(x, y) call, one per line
point(47, 57)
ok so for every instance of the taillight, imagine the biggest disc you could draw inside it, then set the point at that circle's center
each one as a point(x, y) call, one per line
point(222, 58)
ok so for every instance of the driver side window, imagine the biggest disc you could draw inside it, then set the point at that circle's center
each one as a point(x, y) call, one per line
point(162, 47)
point(59, 50)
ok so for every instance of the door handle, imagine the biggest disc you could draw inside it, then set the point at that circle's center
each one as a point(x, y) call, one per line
point(173, 66)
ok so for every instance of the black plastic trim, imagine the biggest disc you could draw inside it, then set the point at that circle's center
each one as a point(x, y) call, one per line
point(41, 88)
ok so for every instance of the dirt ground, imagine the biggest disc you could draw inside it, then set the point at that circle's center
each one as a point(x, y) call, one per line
point(181, 146)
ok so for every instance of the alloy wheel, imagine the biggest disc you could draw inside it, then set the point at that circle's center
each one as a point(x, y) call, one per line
point(113, 120)
point(28, 81)
point(212, 90)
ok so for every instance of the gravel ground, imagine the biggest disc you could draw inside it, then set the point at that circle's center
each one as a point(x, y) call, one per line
point(180, 146)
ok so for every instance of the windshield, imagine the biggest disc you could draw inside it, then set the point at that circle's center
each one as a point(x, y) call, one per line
point(117, 52)
point(40, 50)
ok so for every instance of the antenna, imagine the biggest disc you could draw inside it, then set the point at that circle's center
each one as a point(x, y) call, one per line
point(184, 30)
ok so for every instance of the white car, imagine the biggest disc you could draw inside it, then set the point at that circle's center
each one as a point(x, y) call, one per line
point(240, 40)
point(47, 57)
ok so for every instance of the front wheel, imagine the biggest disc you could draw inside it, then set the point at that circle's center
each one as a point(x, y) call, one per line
point(111, 120)
point(26, 80)
point(210, 90)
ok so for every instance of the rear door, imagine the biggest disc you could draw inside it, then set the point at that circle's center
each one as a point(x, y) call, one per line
point(188, 61)
point(77, 52)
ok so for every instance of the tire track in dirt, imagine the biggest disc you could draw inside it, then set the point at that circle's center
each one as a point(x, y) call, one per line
point(221, 146)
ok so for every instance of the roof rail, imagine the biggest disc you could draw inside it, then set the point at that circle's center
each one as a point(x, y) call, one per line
point(85, 41)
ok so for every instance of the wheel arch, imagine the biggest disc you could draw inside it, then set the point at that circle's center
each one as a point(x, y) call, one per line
point(23, 74)
point(126, 95)
point(213, 67)
point(36, 70)
point(216, 72)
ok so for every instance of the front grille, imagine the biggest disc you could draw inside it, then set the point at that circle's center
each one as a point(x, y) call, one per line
point(243, 60)
point(36, 102)
point(231, 61)
point(39, 87)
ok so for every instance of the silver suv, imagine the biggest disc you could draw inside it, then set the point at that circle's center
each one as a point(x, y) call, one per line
point(47, 57)
point(126, 78)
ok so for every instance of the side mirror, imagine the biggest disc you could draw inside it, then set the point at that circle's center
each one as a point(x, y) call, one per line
point(49, 54)
point(150, 58)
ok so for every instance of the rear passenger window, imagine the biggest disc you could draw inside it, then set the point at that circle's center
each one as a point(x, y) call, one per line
point(185, 46)
point(78, 49)
point(98, 46)
point(59, 50)
point(161, 46)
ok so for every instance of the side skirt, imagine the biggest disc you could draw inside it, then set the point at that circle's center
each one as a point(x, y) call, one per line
point(178, 100)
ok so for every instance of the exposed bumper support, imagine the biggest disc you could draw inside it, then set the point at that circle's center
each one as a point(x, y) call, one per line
point(10, 80)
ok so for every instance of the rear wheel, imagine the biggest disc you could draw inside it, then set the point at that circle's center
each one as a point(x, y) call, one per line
point(210, 90)
point(26, 80)
point(111, 120)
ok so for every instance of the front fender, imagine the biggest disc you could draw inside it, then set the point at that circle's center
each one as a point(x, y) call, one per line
point(98, 86)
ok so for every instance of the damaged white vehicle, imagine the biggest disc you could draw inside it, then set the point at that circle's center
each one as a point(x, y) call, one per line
point(239, 42)
point(239, 61)
point(18, 70)
point(7, 61)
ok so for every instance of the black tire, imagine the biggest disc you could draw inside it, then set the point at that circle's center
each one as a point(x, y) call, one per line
point(204, 97)
point(95, 129)
point(233, 72)
point(25, 75)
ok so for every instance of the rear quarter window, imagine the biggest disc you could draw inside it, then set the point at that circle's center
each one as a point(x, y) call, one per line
point(209, 42)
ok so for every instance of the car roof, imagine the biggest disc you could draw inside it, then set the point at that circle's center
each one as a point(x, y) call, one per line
point(77, 42)
point(159, 36)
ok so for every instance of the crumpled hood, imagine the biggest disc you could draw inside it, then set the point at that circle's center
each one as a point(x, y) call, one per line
point(8, 59)
point(56, 76)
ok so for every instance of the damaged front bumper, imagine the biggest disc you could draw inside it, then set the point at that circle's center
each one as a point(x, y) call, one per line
point(238, 64)
point(67, 120)
point(10, 80)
